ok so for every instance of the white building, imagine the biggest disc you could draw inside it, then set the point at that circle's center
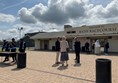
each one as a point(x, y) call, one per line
point(109, 32)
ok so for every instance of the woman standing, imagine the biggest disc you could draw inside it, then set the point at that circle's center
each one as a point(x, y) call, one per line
point(64, 53)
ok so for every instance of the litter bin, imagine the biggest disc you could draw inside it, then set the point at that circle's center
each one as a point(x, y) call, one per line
point(103, 71)
point(21, 61)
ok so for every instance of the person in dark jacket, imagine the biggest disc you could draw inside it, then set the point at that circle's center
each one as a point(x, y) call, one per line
point(22, 46)
point(13, 49)
point(57, 47)
point(7, 49)
point(77, 46)
point(4, 44)
point(93, 47)
point(87, 47)
point(106, 47)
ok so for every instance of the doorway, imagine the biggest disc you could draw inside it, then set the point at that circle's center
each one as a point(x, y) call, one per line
point(101, 40)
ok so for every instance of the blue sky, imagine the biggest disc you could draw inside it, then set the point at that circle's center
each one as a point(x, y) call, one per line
point(12, 7)
point(52, 15)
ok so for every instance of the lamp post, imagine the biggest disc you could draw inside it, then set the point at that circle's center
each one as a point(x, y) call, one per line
point(21, 28)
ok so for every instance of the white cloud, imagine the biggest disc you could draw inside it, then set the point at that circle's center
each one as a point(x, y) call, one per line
point(26, 16)
point(74, 12)
point(10, 34)
point(7, 18)
point(57, 11)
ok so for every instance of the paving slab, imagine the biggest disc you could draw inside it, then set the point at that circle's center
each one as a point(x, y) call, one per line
point(41, 69)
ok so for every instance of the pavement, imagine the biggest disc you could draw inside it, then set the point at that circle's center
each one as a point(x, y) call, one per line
point(41, 69)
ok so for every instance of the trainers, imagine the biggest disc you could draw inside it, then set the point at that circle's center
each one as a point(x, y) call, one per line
point(78, 64)
point(57, 63)
point(67, 65)
point(62, 65)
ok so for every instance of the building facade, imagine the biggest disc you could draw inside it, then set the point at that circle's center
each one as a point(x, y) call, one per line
point(105, 32)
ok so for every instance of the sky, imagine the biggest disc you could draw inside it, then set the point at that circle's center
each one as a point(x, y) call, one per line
point(52, 15)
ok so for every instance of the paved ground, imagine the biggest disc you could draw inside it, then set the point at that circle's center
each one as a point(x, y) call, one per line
point(41, 69)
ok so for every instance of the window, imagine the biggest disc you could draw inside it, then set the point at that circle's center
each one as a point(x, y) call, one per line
point(69, 32)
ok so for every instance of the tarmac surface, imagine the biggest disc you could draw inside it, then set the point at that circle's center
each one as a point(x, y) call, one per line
point(41, 68)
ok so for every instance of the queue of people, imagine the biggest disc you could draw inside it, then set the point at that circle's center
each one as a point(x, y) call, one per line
point(11, 47)
point(62, 47)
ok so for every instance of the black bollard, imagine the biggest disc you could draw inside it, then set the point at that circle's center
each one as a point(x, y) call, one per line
point(21, 62)
point(103, 71)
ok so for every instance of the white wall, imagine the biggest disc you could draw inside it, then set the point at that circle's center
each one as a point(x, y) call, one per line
point(83, 41)
point(113, 44)
point(37, 44)
point(51, 43)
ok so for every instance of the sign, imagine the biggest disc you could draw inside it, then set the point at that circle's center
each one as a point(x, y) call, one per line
point(97, 29)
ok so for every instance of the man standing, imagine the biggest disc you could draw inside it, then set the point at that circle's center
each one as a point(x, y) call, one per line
point(87, 47)
point(22, 46)
point(4, 44)
point(77, 46)
point(57, 46)
point(13, 49)
point(106, 47)
point(7, 49)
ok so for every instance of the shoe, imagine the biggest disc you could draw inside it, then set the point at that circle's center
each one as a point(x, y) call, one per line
point(67, 65)
point(78, 64)
point(57, 63)
point(75, 59)
point(62, 65)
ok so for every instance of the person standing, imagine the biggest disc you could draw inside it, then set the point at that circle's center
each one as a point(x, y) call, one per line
point(22, 46)
point(64, 52)
point(93, 47)
point(4, 44)
point(97, 47)
point(57, 47)
point(7, 49)
point(13, 49)
point(87, 47)
point(106, 47)
point(77, 46)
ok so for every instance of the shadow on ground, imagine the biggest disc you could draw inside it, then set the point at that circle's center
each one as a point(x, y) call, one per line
point(90, 81)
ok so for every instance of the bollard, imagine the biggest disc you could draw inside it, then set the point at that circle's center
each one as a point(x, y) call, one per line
point(103, 71)
point(21, 61)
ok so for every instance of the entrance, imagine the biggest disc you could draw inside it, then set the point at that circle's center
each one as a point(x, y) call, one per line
point(70, 43)
point(46, 44)
point(101, 40)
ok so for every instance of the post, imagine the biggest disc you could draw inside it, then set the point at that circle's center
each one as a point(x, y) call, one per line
point(103, 71)
point(20, 31)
